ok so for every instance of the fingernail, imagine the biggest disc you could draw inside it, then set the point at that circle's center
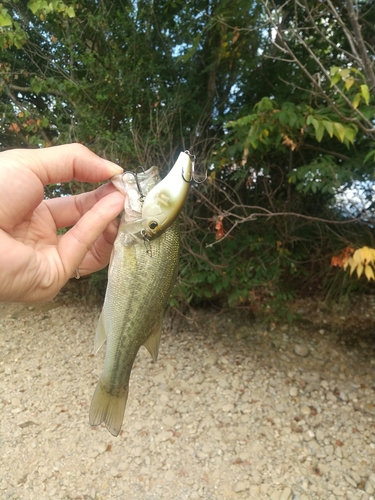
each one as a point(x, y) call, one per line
point(113, 168)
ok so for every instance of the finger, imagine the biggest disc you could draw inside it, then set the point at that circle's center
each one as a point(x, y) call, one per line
point(67, 210)
point(64, 163)
point(99, 254)
point(74, 245)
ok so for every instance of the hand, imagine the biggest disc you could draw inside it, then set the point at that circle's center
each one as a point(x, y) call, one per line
point(34, 261)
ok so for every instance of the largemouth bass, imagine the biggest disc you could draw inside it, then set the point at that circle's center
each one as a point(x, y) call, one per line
point(141, 275)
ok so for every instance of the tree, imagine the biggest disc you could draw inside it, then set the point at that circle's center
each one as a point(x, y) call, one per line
point(275, 99)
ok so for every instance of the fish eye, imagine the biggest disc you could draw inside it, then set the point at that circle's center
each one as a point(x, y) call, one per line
point(153, 225)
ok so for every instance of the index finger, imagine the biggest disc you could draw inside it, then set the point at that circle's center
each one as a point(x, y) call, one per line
point(64, 163)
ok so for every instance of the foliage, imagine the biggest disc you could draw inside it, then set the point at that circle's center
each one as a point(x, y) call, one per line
point(361, 260)
point(275, 99)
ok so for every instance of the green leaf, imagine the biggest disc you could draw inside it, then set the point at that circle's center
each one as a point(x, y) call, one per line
point(329, 127)
point(5, 19)
point(309, 119)
point(365, 93)
point(70, 12)
point(36, 85)
point(369, 156)
point(283, 117)
point(335, 79)
point(319, 129)
point(34, 6)
point(350, 134)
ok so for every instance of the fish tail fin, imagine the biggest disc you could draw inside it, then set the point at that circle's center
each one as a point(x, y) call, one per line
point(107, 408)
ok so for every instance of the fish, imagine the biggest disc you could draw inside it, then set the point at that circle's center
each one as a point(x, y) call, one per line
point(142, 272)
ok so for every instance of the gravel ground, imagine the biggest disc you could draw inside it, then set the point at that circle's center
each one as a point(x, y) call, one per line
point(233, 409)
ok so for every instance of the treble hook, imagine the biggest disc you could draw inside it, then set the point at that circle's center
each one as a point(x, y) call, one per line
point(193, 179)
point(147, 244)
point(135, 175)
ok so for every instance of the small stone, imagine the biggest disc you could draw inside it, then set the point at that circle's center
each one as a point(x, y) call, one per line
point(343, 396)
point(371, 478)
point(211, 360)
point(338, 491)
point(27, 423)
point(324, 384)
point(329, 450)
point(310, 377)
point(369, 487)
point(228, 407)
point(114, 472)
point(350, 480)
point(338, 452)
point(264, 488)
point(293, 391)
point(356, 477)
point(305, 410)
point(275, 495)
point(163, 436)
point(169, 475)
point(301, 350)
point(308, 435)
point(255, 447)
point(169, 421)
point(331, 397)
point(241, 486)
point(254, 490)
point(257, 478)
point(286, 494)
point(311, 387)
point(319, 434)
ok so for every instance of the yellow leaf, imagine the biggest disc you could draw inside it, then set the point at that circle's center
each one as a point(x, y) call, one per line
point(357, 257)
point(344, 73)
point(349, 262)
point(352, 265)
point(348, 83)
point(357, 100)
point(363, 255)
point(339, 131)
point(369, 273)
point(365, 93)
point(360, 269)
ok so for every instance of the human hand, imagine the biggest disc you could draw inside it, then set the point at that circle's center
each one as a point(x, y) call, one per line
point(34, 261)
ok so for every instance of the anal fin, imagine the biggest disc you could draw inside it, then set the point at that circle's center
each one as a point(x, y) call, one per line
point(153, 341)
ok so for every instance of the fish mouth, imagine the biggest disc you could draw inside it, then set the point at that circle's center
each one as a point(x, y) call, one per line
point(140, 174)
point(138, 183)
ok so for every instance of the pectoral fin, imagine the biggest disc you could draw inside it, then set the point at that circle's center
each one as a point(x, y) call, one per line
point(153, 341)
point(100, 334)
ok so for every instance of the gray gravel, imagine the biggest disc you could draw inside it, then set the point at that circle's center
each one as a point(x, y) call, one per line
point(232, 409)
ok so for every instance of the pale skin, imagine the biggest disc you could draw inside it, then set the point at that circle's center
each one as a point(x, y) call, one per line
point(35, 262)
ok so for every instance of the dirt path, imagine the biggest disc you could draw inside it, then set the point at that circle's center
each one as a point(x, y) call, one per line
point(232, 409)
